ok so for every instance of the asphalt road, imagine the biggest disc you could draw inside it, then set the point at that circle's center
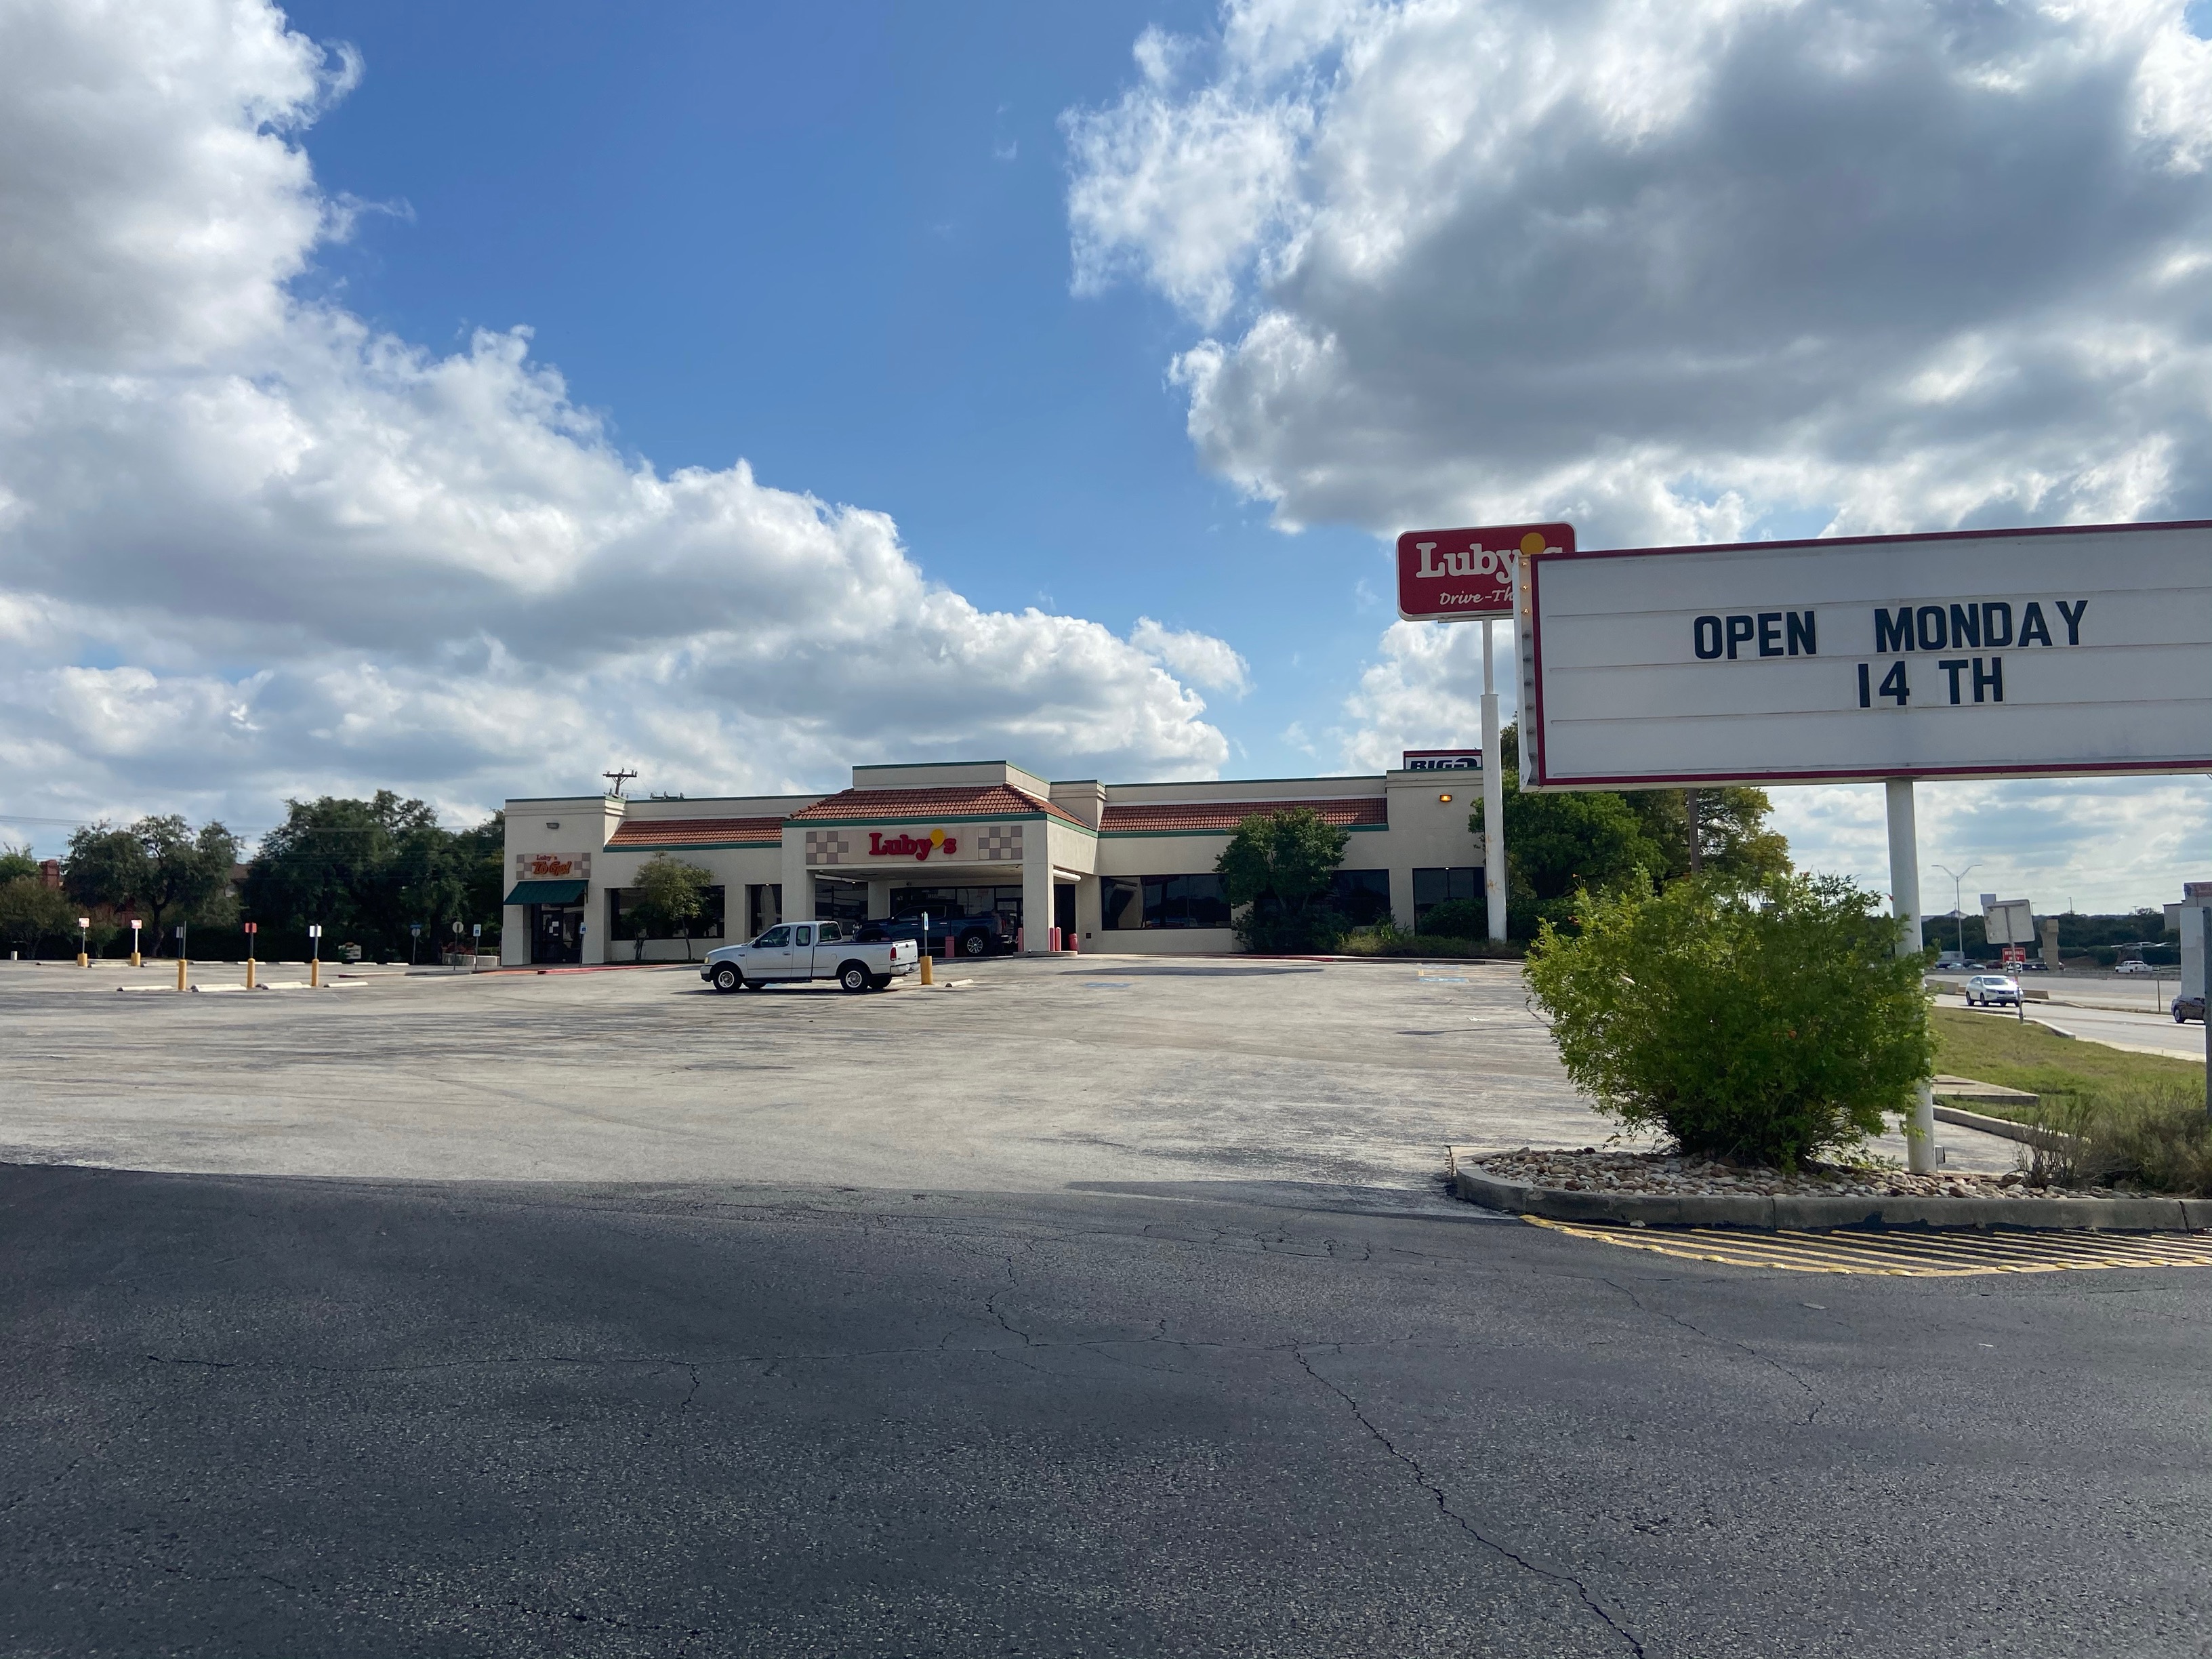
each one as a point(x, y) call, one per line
point(270, 1415)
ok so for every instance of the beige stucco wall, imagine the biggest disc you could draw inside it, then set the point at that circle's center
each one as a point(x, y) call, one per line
point(1423, 832)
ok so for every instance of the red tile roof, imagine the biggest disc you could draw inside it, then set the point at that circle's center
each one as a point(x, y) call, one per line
point(1193, 817)
point(982, 800)
point(698, 832)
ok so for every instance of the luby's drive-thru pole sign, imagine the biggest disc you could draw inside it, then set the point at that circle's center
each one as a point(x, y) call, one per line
point(1466, 576)
point(1447, 575)
point(1999, 654)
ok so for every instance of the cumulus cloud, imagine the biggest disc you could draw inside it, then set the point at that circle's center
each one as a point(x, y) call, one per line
point(1199, 658)
point(1671, 271)
point(1696, 272)
point(250, 547)
point(1425, 692)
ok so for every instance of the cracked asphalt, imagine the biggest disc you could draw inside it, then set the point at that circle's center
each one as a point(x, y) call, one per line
point(284, 1415)
point(1111, 1308)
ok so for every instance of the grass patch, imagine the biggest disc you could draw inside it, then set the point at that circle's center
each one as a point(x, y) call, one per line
point(2117, 1119)
point(2015, 1056)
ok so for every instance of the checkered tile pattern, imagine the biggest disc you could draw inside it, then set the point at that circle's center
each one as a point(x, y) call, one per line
point(828, 846)
point(997, 842)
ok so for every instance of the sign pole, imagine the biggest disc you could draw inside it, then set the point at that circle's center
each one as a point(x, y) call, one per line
point(2204, 992)
point(1904, 903)
point(1493, 793)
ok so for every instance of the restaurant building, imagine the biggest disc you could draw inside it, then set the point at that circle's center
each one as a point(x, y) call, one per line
point(1115, 868)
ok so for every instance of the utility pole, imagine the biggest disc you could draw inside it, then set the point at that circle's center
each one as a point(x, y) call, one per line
point(616, 780)
point(1958, 899)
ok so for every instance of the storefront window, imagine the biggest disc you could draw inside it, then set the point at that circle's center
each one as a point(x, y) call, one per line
point(623, 921)
point(1361, 896)
point(1138, 902)
point(1433, 887)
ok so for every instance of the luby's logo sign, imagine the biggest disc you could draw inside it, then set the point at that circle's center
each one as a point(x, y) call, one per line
point(1445, 575)
point(917, 847)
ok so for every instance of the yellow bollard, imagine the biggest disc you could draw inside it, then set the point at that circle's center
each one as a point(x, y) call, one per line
point(249, 972)
point(926, 979)
point(314, 973)
point(82, 960)
point(134, 959)
point(181, 973)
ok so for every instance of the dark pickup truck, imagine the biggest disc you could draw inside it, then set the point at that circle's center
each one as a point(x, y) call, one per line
point(986, 935)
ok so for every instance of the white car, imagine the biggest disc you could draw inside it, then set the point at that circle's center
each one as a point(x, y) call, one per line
point(793, 952)
point(2133, 968)
point(1989, 990)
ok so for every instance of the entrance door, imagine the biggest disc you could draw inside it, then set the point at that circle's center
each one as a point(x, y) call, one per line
point(1063, 909)
point(556, 934)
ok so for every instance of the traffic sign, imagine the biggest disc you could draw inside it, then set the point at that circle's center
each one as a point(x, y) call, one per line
point(1445, 576)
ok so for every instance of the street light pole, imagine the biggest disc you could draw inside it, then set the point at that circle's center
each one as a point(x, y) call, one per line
point(1958, 898)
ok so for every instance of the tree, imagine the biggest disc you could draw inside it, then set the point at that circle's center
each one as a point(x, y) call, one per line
point(33, 914)
point(159, 865)
point(16, 863)
point(1560, 842)
point(671, 896)
point(1726, 835)
point(364, 869)
point(480, 861)
point(1769, 1023)
point(1277, 867)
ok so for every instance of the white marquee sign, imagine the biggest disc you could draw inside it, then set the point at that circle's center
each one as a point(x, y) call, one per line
point(1976, 654)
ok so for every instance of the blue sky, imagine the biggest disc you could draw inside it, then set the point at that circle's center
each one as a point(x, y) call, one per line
point(834, 240)
point(467, 399)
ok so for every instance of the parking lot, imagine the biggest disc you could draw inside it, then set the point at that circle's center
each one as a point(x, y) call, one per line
point(1020, 1075)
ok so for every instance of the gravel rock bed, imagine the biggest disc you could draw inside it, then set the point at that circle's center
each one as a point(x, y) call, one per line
point(1590, 1170)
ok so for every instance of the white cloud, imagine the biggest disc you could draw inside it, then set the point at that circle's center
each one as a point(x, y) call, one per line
point(1426, 693)
point(1665, 270)
point(1199, 658)
point(250, 547)
point(1677, 274)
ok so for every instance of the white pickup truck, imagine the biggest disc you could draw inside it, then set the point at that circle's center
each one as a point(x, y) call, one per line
point(795, 951)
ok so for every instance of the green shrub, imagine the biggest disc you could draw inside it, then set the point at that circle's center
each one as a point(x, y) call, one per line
point(2151, 1133)
point(1266, 928)
point(1384, 940)
point(1455, 919)
point(1765, 1024)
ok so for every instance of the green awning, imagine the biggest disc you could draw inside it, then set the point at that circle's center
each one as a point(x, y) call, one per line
point(548, 892)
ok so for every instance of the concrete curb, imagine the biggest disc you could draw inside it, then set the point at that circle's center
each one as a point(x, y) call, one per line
point(2024, 1133)
point(1815, 1214)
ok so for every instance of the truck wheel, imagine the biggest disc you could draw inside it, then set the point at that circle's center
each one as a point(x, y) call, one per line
point(973, 944)
point(727, 978)
point(853, 976)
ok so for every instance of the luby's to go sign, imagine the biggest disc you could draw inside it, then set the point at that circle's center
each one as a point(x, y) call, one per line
point(917, 847)
point(1446, 575)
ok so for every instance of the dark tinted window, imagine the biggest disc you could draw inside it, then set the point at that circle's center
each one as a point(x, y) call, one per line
point(1195, 901)
point(1361, 895)
point(623, 923)
point(1433, 887)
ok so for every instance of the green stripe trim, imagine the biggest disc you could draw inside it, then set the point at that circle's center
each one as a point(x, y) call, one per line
point(685, 846)
point(1137, 835)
